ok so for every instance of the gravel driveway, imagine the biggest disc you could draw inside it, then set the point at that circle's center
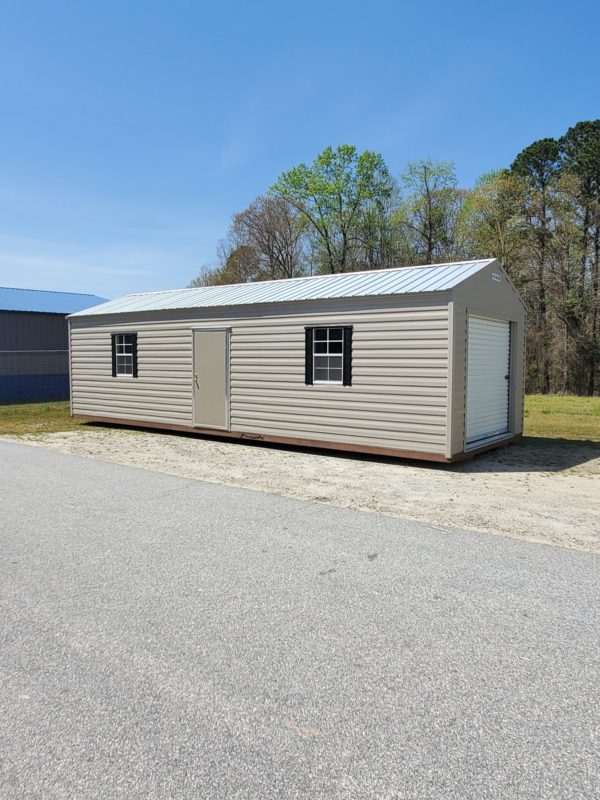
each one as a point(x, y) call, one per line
point(167, 638)
point(541, 490)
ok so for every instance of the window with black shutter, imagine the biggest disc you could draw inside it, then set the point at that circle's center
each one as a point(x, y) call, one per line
point(124, 355)
point(328, 355)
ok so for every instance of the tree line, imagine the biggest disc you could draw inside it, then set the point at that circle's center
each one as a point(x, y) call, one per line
point(540, 217)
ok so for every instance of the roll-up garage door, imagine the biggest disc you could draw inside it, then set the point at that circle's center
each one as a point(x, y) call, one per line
point(488, 369)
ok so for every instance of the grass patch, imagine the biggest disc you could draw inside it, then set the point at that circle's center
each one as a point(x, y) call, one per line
point(27, 418)
point(551, 416)
point(562, 417)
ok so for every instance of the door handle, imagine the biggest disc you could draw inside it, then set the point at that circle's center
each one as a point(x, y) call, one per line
point(196, 380)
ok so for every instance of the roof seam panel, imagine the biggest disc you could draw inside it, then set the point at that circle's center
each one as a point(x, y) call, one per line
point(396, 281)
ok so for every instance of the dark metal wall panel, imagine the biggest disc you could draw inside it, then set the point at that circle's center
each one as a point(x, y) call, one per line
point(22, 330)
point(34, 358)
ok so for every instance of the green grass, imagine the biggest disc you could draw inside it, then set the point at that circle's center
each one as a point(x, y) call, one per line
point(551, 416)
point(23, 418)
point(562, 417)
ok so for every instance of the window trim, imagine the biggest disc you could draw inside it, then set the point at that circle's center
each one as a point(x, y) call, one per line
point(134, 357)
point(309, 355)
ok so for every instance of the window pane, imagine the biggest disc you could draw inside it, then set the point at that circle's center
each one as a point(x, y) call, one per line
point(335, 347)
point(335, 362)
point(321, 361)
point(335, 333)
point(335, 375)
point(124, 365)
point(124, 344)
point(320, 347)
point(320, 333)
point(321, 374)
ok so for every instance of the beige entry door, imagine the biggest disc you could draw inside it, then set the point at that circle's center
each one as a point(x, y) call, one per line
point(211, 378)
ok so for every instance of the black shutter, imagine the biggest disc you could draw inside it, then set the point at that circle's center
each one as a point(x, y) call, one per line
point(308, 356)
point(113, 340)
point(134, 353)
point(347, 374)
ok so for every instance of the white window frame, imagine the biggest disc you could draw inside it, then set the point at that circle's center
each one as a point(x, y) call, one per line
point(128, 355)
point(328, 355)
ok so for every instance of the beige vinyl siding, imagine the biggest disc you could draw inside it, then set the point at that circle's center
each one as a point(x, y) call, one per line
point(399, 378)
point(398, 397)
point(162, 392)
point(481, 296)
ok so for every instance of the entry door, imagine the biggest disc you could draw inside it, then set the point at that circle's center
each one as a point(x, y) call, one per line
point(488, 379)
point(211, 378)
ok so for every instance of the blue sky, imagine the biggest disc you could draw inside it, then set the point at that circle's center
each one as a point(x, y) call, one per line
point(131, 131)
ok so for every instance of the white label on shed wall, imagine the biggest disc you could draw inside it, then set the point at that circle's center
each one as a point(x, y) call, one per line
point(488, 366)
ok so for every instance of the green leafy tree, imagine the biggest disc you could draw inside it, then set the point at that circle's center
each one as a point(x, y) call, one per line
point(430, 210)
point(333, 194)
point(539, 166)
point(581, 158)
point(493, 220)
point(378, 243)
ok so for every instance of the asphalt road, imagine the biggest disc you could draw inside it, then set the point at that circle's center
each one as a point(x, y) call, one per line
point(167, 639)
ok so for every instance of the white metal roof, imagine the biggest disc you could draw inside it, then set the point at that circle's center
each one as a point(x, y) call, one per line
point(402, 280)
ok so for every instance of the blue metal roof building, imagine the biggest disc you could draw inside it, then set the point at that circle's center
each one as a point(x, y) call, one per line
point(34, 350)
point(46, 302)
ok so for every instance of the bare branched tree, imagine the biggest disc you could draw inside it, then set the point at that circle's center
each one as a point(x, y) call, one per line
point(272, 227)
point(206, 277)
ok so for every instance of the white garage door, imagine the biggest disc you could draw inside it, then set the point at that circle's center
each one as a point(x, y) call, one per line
point(488, 366)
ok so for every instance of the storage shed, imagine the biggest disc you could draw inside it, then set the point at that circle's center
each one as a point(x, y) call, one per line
point(423, 362)
point(34, 349)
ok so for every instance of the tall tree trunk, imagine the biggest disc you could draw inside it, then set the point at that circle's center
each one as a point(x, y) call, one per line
point(584, 251)
point(543, 310)
point(595, 297)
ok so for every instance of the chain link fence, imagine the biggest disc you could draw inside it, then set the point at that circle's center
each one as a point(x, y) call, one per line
point(30, 376)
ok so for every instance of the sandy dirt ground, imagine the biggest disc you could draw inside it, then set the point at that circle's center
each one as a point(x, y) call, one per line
point(542, 490)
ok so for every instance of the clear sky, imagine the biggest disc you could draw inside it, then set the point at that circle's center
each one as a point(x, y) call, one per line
point(131, 131)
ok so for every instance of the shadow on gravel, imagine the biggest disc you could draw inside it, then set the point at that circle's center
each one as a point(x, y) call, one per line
point(537, 454)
